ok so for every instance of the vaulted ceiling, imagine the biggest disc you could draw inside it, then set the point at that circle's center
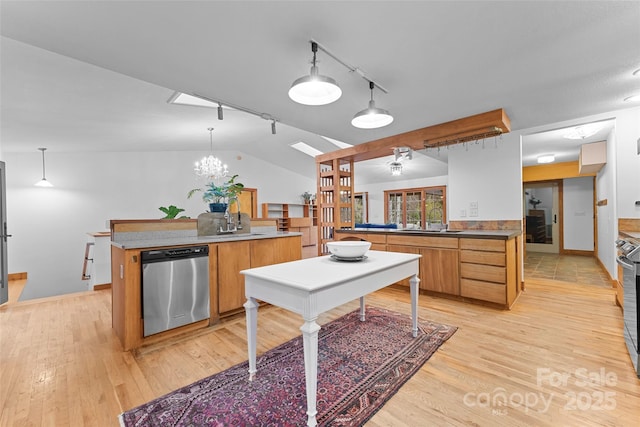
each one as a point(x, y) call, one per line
point(96, 75)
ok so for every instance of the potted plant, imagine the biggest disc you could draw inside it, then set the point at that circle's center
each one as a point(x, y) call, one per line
point(306, 196)
point(219, 195)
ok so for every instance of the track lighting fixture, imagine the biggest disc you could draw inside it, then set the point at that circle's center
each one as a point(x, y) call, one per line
point(315, 89)
point(273, 127)
point(43, 182)
point(220, 114)
point(372, 117)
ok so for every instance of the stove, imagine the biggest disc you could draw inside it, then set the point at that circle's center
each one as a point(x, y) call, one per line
point(629, 260)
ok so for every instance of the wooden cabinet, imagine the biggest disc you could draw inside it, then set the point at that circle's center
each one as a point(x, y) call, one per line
point(378, 241)
point(439, 265)
point(232, 258)
point(488, 270)
point(479, 268)
point(226, 284)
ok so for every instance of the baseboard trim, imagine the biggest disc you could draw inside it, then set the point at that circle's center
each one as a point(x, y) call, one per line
point(577, 252)
point(18, 276)
point(102, 286)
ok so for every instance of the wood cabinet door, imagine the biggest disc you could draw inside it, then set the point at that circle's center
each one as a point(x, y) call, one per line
point(440, 271)
point(274, 251)
point(232, 258)
point(408, 250)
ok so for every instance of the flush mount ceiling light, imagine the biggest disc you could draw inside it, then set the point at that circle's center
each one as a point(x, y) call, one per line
point(372, 117)
point(43, 182)
point(315, 89)
point(547, 158)
point(210, 166)
point(396, 168)
point(583, 131)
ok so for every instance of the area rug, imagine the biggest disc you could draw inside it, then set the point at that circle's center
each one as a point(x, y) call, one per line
point(361, 365)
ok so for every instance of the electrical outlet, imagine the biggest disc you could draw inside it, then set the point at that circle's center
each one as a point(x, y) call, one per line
point(473, 212)
point(463, 213)
point(473, 205)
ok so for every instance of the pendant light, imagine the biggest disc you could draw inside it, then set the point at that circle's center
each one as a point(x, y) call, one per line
point(315, 89)
point(43, 182)
point(372, 117)
point(210, 166)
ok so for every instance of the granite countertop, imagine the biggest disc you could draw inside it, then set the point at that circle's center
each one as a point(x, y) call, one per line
point(197, 240)
point(477, 234)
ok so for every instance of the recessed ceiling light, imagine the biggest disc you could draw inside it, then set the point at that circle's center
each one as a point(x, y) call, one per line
point(547, 158)
point(632, 98)
point(306, 149)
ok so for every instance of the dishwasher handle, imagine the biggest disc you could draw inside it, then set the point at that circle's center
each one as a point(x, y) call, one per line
point(172, 254)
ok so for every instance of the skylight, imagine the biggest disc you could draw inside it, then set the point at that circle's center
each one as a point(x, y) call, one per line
point(306, 149)
point(337, 143)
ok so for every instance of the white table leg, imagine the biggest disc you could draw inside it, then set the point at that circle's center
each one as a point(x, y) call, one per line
point(310, 342)
point(251, 309)
point(362, 309)
point(413, 283)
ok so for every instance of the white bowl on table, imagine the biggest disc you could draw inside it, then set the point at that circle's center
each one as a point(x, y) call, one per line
point(349, 248)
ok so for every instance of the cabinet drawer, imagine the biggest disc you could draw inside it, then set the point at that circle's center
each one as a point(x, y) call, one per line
point(483, 291)
point(479, 257)
point(373, 238)
point(488, 273)
point(490, 245)
point(424, 241)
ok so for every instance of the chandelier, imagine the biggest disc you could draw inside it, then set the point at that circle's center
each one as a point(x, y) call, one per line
point(210, 166)
point(396, 168)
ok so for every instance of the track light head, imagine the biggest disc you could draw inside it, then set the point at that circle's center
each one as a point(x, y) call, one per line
point(220, 113)
point(273, 127)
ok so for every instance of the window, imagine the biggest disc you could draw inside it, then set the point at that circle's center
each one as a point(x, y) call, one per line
point(361, 203)
point(416, 207)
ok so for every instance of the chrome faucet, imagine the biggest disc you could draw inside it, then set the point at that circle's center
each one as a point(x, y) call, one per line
point(229, 221)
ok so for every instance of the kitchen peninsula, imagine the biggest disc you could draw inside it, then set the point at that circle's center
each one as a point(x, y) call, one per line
point(228, 254)
point(471, 265)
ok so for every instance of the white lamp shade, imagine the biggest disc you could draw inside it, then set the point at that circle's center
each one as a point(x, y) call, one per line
point(315, 89)
point(43, 183)
point(372, 117)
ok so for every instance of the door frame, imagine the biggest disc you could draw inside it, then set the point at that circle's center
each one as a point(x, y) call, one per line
point(559, 208)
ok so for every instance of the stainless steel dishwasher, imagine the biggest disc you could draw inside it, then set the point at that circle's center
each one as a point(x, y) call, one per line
point(175, 287)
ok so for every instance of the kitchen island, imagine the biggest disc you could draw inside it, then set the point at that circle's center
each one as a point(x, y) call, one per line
point(483, 266)
point(228, 255)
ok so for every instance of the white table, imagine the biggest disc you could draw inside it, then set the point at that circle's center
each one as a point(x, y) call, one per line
point(314, 285)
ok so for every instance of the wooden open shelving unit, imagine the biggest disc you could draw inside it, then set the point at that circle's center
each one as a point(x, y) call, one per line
point(300, 218)
point(335, 199)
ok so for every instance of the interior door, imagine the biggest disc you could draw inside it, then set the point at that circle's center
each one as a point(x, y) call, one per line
point(4, 281)
point(542, 216)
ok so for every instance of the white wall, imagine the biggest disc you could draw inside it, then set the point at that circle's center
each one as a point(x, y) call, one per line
point(628, 163)
point(49, 226)
point(577, 200)
point(376, 193)
point(606, 215)
point(490, 176)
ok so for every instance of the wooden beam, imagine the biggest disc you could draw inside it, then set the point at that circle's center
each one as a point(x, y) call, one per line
point(552, 171)
point(415, 139)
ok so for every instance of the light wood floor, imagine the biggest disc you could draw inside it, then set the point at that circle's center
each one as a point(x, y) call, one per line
point(61, 365)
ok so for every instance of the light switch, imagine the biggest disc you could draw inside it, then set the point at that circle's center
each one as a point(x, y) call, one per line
point(463, 213)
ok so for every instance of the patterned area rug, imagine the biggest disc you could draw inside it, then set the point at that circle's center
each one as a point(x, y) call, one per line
point(360, 366)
